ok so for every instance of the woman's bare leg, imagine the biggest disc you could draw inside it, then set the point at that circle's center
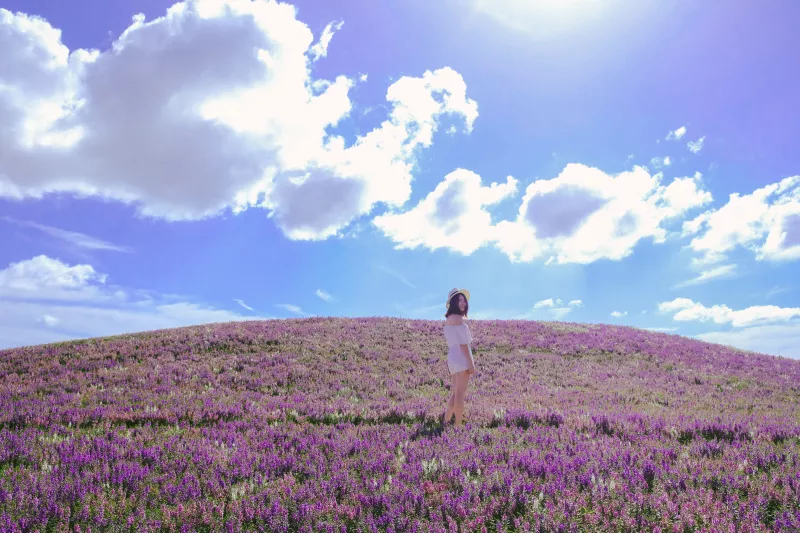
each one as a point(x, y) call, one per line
point(448, 414)
point(460, 392)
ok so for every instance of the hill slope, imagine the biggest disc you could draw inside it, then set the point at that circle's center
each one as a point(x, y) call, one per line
point(332, 425)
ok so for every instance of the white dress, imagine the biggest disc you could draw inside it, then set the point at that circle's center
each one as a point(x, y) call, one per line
point(456, 336)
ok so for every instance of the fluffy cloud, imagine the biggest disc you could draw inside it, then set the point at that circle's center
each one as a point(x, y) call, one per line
point(556, 308)
point(685, 309)
point(584, 214)
point(659, 162)
point(618, 314)
point(545, 303)
point(557, 302)
point(320, 49)
point(548, 309)
point(43, 278)
point(677, 134)
point(580, 216)
point(452, 216)
point(766, 221)
point(696, 146)
point(45, 300)
point(208, 108)
point(323, 195)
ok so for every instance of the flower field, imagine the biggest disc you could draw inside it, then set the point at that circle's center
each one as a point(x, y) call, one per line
point(332, 425)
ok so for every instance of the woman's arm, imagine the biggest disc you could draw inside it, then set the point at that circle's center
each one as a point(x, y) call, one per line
point(465, 347)
point(465, 350)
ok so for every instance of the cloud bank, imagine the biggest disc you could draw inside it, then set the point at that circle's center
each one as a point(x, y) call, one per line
point(44, 300)
point(207, 109)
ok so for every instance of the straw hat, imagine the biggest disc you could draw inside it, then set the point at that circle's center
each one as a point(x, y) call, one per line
point(453, 292)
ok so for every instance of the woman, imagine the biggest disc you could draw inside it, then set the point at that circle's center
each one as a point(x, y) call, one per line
point(459, 353)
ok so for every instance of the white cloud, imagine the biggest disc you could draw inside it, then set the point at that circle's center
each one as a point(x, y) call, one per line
point(684, 194)
point(718, 272)
point(209, 108)
point(50, 320)
point(549, 309)
point(618, 314)
point(42, 272)
point(452, 216)
point(44, 300)
point(696, 146)
point(677, 134)
point(44, 278)
point(685, 309)
point(766, 221)
point(776, 339)
point(295, 309)
point(584, 215)
point(324, 295)
point(377, 168)
point(659, 162)
point(320, 49)
point(79, 240)
point(554, 307)
point(580, 216)
point(241, 303)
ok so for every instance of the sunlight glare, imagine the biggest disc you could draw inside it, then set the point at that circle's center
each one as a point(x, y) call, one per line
point(543, 16)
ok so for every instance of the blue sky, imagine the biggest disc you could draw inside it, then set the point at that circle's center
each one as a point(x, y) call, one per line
point(610, 162)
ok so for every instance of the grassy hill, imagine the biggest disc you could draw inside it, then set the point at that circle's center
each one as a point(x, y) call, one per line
point(331, 424)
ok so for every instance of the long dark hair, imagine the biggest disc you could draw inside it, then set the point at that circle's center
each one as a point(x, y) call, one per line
point(452, 307)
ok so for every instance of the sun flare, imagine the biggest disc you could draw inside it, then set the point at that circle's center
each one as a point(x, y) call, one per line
point(540, 15)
